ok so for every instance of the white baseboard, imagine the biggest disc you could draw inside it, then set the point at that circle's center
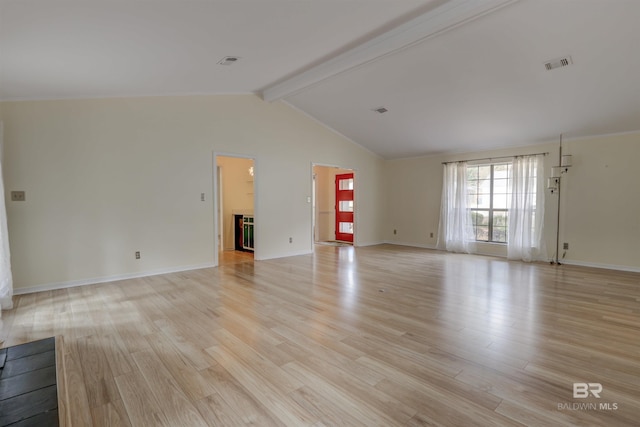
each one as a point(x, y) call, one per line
point(285, 255)
point(616, 267)
point(105, 279)
point(363, 244)
point(413, 245)
point(600, 265)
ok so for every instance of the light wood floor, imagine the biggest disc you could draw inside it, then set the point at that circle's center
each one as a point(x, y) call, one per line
point(371, 336)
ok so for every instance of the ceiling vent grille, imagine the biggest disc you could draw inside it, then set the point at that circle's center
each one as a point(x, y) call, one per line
point(380, 110)
point(229, 60)
point(558, 63)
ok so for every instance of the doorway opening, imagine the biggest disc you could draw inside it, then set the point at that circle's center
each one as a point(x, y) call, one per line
point(235, 207)
point(334, 207)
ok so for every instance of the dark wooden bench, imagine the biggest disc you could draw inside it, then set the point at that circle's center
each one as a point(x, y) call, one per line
point(28, 385)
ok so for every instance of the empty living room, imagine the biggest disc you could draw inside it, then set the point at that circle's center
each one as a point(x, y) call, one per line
point(319, 213)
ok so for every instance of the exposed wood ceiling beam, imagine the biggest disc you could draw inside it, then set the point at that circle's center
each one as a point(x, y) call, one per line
point(444, 17)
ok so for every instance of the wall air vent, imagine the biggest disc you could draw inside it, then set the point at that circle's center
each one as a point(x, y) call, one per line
point(380, 110)
point(558, 63)
point(229, 60)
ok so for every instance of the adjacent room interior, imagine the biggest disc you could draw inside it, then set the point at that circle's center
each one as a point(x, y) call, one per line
point(398, 213)
point(235, 216)
point(333, 205)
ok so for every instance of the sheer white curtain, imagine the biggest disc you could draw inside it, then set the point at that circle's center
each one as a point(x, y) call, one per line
point(6, 280)
point(526, 213)
point(455, 231)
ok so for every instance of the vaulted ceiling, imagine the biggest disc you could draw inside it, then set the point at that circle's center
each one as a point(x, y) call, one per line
point(453, 75)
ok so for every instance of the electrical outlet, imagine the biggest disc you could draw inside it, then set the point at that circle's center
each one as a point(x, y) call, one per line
point(565, 246)
point(137, 254)
point(202, 197)
point(290, 239)
point(18, 196)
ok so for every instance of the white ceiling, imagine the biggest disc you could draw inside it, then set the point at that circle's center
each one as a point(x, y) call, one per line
point(451, 81)
point(102, 48)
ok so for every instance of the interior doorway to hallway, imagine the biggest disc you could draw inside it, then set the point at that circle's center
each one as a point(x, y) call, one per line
point(334, 208)
point(234, 213)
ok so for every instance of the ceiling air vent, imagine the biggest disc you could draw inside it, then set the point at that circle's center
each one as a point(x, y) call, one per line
point(558, 63)
point(380, 110)
point(229, 60)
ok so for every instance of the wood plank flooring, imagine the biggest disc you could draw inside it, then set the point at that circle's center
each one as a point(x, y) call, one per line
point(374, 336)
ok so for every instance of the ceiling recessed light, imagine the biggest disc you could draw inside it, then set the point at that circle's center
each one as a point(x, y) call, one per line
point(229, 60)
point(380, 110)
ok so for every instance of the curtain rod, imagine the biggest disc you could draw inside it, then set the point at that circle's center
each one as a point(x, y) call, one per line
point(497, 158)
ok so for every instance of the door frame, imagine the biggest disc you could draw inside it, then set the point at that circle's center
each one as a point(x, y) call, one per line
point(220, 206)
point(312, 209)
point(216, 200)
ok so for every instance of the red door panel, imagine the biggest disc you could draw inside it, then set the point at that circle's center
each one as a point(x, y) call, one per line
point(344, 207)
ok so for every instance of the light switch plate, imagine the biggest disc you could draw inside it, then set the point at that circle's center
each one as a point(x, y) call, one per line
point(18, 196)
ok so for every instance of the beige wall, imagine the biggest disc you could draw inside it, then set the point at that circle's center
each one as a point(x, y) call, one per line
point(325, 199)
point(600, 207)
point(601, 201)
point(237, 194)
point(105, 178)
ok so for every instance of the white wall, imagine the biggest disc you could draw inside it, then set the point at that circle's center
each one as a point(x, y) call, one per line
point(105, 178)
point(600, 213)
point(601, 202)
point(413, 188)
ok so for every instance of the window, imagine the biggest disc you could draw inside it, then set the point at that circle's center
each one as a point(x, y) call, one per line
point(346, 206)
point(346, 227)
point(489, 200)
point(500, 202)
point(346, 184)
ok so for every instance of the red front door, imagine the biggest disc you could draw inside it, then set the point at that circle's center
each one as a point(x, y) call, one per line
point(344, 207)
